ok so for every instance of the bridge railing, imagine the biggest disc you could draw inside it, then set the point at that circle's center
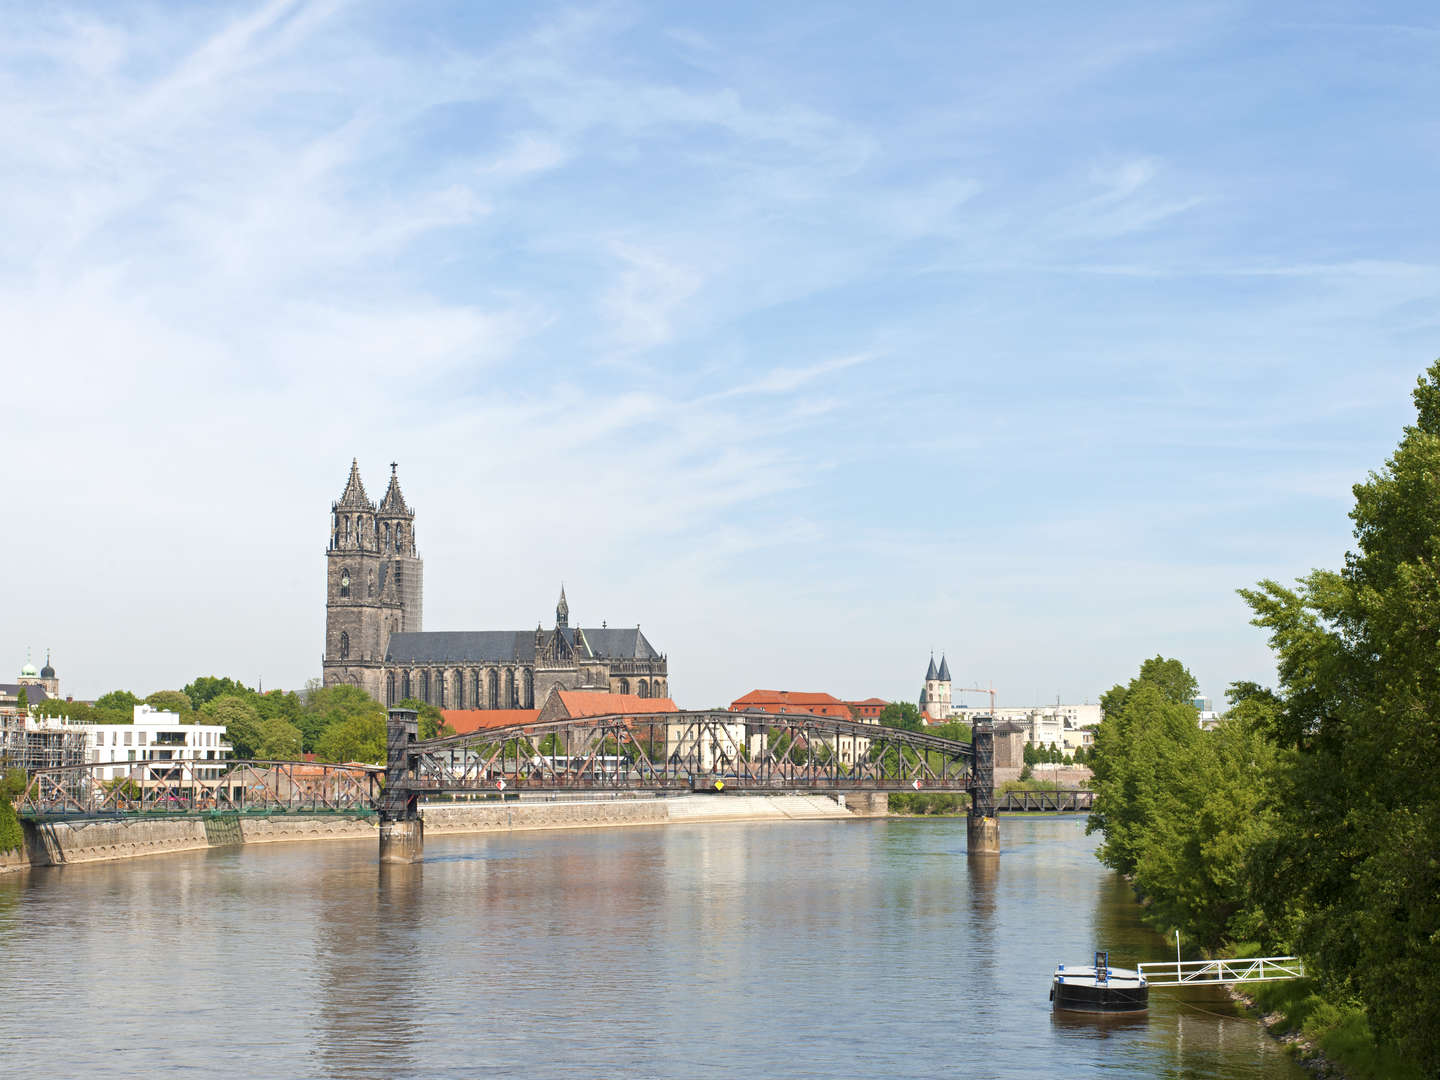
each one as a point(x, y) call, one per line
point(1222, 972)
point(185, 787)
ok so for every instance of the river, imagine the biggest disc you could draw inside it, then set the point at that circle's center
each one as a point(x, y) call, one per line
point(766, 950)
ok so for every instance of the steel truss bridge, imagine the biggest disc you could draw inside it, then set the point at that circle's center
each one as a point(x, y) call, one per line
point(1053, 801)
point(714, 751)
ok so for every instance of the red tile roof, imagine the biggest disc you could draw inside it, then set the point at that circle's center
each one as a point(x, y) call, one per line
point(594, 703)
point(464, 721)
point(795, 701)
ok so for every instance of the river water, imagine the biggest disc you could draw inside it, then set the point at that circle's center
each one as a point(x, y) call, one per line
point(767, 950)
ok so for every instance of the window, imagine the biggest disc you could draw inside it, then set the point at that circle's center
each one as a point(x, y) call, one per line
point(510, 700)
point(642, 689)
point(390, 690)
point(127, 743)
point(425, 687)
point(344, 584)
point(494, 689)
point(372, 582)
point(459, 689)
point(624, 686)
point(141, 739)
point(344, 645)
point(405, 686)
point(529, 688)
point(440, 688)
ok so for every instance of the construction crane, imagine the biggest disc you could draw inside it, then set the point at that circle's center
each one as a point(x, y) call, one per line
point(979, 690)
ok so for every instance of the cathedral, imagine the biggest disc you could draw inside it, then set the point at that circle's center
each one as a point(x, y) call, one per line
point(374, 638)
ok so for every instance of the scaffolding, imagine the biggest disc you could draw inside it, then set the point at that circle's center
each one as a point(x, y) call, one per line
point(25, 745)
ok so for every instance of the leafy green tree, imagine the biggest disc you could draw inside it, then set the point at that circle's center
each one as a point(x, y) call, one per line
point(209, 687)
point(278, 740)
point(77, 712)
point(1352, 869)
point(241, 722)
point(331, 706)
point(953, 730)
point(12, 834)
point(175, 701)
point(116, 707)
point(22, 700)
point(359, 736)
point(1139, 754)
point(902, 715)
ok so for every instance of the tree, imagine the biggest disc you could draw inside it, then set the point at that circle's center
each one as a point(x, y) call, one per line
point(432, 720)
point(209, 687)
point(77, 712)
point(1139, 754)
point(12, 834)
point(240, 720)
point(357, 737)
point(330, 706)
point(1351, 869)
point(22, 700)
point(278, 740)
point(116, 707)
point(175, 701)
point(902, 715)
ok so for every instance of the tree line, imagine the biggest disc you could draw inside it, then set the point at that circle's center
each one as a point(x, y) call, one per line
point(335, 723)
point(1308, 820)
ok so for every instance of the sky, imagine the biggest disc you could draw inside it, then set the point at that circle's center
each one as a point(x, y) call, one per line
point(811, 338)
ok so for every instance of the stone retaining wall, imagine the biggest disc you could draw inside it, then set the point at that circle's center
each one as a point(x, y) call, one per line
point(94, 840)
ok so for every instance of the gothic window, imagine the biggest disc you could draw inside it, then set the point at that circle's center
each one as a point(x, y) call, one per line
point(387, 536)
point(657, 688)
point(494, 694)
point(440, 688)
point(642, 689)
point(405, 687)
point(372, 583)
point(529, 688)
point(344, 584)
point(344, 645)
point(390, 690)
point(425, 687)
point(510, 702)
point(624, 686)
point(477, 695)
point(459, 689)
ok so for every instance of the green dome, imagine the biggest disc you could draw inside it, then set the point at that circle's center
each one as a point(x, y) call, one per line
point(28, 670)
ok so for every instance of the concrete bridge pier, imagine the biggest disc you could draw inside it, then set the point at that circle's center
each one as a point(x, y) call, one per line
point(402, 841)
point(982, 835)
point(402, 833)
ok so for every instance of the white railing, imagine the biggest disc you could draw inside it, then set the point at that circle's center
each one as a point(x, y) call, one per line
point(1220, 972)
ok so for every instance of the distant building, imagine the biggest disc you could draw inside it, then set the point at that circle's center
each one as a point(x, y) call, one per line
point(935, 695)
point(1069, 727)
point(154, 736)
point(374, 637)
point(783, 702)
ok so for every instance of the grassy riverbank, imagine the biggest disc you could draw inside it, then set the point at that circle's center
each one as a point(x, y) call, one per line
point(1318, 1031)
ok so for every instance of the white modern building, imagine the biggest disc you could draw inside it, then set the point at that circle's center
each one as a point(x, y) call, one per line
point(154, 736)
point(1067, 726)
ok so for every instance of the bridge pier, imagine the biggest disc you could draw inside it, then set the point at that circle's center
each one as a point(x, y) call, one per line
point(982, 832)
point(402, 833)
point(402, 841)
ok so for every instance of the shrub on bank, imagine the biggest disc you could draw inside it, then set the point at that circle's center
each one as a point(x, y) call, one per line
point(12, 836)
point(927, 803)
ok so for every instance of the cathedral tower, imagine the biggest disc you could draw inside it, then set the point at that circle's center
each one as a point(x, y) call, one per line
point(401, 567)
point(356, 623)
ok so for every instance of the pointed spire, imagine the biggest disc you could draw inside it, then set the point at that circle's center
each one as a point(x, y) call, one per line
point(944, 675)
point(394, 501)
point(931, 674)
point(354, 497)
point(562, 609)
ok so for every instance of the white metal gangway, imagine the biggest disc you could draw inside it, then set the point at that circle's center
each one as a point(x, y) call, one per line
point(1221, 972)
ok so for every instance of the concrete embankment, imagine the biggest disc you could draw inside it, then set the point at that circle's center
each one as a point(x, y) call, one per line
point(59, 843)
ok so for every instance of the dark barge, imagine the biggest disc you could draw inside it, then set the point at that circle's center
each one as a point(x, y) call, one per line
point(1099, 988)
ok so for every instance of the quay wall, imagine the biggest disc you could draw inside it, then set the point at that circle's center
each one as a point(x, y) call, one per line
point(58, 843)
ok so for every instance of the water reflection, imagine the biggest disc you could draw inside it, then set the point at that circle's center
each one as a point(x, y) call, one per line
point(805, 949)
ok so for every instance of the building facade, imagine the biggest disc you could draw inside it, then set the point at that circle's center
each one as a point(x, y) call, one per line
point(935, 694)
point(374, 635)
point(154, 736)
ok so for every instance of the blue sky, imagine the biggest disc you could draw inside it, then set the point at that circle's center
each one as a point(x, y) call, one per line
point(808, 337)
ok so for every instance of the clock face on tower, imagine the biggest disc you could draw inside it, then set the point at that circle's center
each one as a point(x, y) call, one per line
point(344, 581)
